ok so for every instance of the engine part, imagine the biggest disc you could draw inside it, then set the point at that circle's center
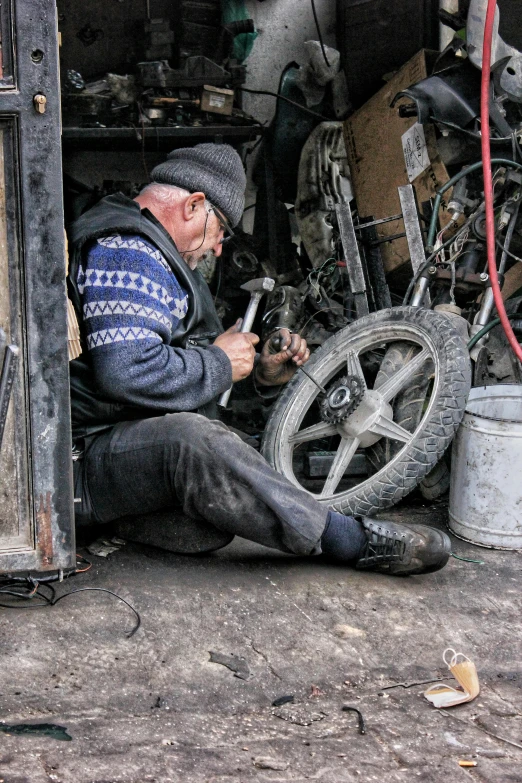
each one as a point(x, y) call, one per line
point(323, 182)
point(243, 262)
point(494, 362)
point(284, 310)
point(257, 289)
point(295, 423)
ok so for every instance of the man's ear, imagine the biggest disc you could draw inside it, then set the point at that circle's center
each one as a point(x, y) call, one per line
point(193, 205)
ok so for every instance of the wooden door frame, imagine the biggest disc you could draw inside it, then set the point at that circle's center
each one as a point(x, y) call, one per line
point(36, 248)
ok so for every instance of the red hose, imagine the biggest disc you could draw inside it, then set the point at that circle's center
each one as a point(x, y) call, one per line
point(488, 179)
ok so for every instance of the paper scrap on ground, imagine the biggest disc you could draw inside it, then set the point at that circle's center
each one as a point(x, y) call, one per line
point(415, 151)
point(466, 675)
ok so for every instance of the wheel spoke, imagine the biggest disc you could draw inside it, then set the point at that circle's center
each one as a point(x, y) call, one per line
point(394, 384)
point(353, 365)
point(390, 429)
point(343, 457)
point(320, 430)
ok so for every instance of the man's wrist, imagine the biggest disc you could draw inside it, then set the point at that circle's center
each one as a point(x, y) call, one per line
point(258, 378)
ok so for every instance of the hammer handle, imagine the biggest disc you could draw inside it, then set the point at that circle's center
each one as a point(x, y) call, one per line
point(246, 326)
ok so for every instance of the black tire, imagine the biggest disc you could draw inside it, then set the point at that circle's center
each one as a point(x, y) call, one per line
point(407, 411)
point(415, 459)
point(407, 405)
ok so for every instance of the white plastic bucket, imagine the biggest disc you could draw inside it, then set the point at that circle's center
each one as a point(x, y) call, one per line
point(485, 504)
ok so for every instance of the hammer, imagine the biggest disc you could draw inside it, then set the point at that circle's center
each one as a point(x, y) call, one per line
point(257, 287)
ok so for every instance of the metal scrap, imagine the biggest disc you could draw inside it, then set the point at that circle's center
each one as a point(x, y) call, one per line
point(103, 547)
point(233, 662)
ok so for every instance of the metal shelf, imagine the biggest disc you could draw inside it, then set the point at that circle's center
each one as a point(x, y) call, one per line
point(154, 138)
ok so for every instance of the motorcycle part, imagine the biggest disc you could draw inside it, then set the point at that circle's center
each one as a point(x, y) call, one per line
point(407, 411)
point(412, 227)
point(451, 95)
point(352, 258)
point(342, 398)
point(295, 424)
point(284, 310)
point(323, 182)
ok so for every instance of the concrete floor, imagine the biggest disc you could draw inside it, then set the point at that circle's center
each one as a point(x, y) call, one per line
point(153, 708)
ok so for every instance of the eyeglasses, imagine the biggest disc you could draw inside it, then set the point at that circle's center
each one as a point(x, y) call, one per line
point(223, 224)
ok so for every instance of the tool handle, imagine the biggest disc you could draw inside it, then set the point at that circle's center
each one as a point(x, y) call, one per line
point(248, 320)
point(223, 400)
point(246, 326)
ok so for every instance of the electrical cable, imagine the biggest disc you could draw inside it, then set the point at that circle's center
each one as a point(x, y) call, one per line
point(506, 251)
point(288, 100)
point(434, 255)
point(476, 136)
point(491, 325)
point(509, 236)
point(104, 590)
point(488, 179)
point(449, 184)
point(27, 588)
point(316, 20)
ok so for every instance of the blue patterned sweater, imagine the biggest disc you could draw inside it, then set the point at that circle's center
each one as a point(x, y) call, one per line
point(132, 304)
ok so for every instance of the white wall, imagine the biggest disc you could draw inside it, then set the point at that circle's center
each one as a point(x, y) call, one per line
point(283, 27)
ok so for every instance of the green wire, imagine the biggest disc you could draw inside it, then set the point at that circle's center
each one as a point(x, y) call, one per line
point(467, 559)
point(449, 184)
point(485, 329)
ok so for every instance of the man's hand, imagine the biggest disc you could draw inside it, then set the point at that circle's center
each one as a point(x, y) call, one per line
point(239, 347)
point(278, 366)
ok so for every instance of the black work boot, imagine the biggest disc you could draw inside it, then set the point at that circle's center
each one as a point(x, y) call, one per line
point(403, 549)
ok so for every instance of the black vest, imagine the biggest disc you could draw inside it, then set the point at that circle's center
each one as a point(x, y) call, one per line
point(91, 410)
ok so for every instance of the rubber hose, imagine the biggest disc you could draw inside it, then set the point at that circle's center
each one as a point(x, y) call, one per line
point(488, 179)
point(488, 327)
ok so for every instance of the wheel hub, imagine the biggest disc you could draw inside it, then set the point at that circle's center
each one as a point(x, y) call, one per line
point(371, 408)
point(342, 399)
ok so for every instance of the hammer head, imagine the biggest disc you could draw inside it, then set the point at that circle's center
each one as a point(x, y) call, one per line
point(259, 284)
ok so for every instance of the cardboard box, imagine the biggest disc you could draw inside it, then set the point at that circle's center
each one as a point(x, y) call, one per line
point(374, 145)
point(217, 100)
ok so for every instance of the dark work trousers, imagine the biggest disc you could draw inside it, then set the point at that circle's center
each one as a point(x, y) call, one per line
point(190, 484)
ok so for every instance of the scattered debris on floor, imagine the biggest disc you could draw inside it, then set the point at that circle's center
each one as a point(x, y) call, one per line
point(283, 700)
point(37, 729)
point(465, 672)
point(299, 714)
point(235, 663)
point(263, 762)
point(103, 547)
point(362, 724)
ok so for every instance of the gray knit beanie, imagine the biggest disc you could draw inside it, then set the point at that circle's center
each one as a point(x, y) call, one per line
point(214, 169)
